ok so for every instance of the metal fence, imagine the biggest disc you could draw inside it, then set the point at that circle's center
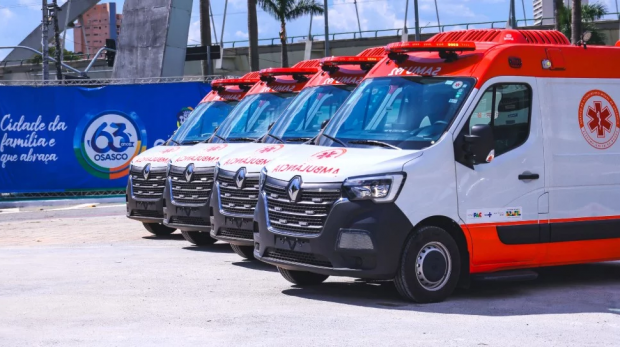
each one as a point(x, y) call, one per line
point(113, 81)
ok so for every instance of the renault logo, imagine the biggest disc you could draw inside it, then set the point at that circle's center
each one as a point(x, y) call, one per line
point(240, 178)
point(146, 171)
point(189, 172)
point(293, 188)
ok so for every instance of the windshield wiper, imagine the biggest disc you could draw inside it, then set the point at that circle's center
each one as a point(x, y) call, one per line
point(175, 142)
point(275, 137)
point(335, 140)
point(299, 139)
point(192, 142)
point(374, 143)
point(242, 139)
point(215, 135)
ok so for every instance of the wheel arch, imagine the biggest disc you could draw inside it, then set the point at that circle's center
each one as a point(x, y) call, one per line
point(458, 234)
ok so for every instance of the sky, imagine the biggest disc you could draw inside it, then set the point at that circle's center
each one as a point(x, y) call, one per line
point(20, 17)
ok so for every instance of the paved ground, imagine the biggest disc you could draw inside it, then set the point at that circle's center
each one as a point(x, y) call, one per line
point(89, 276)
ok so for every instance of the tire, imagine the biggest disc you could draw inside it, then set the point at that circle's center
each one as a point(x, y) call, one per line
point(158, 229)
point(302, 278)
point(198, 238)
point(246, 252)
point(430, 266)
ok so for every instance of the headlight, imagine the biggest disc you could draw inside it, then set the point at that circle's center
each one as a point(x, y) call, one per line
point(262, 178)
point(380, 188)
point(216, 170)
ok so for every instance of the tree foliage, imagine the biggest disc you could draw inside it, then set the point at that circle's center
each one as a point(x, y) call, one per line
point(68, 56)
point(589, 14)
point(287, 10)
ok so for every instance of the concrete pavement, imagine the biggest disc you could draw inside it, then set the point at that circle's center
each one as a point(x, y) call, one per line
point(90, 276)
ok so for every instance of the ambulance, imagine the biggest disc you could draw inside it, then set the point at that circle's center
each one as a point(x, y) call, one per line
point(147, 175)
point(190, 176)
point(492, 151)
point(234, 200)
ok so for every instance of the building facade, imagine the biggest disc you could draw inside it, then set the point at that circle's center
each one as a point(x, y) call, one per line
point(95, 26)
point(543, 10)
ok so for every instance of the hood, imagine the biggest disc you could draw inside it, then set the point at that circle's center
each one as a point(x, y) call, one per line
point(318, 164)
point(159, 156)
point(255, 156)
point(207, 154)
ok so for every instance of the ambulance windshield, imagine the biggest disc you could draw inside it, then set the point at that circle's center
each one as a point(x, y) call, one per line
point(201, 123)
point(303, 118)
point(403, 112)
point(251, 118)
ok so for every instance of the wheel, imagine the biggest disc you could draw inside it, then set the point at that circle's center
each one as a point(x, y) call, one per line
point(302, 278)
point(430, 266)
point(198, 238)
point(158, 229)
point(246, 252)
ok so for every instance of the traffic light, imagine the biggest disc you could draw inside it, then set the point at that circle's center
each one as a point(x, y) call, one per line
point(110, 55)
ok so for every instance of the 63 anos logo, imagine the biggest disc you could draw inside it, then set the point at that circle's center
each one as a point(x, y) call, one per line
point(104, 144)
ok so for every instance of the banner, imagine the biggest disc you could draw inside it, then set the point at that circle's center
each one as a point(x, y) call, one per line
point(56, 138)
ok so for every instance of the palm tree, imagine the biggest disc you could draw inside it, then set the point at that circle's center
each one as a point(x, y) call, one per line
point(286, 10)
point(557, 10)
point(589, 14)
point(253, 35)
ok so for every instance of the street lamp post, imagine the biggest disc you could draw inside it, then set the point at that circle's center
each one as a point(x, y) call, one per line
point(326, 28)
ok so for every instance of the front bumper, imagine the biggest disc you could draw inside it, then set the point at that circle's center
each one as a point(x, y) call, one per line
point(144, 210)
point(236, 229)
point(360, 239)
point(185, 217)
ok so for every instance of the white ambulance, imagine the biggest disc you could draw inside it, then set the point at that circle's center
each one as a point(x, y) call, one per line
point(145, 184)
point(190, 175)
point(492, 150)
point(233, 200)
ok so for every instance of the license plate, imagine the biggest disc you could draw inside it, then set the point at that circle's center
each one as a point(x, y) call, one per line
point(239, 223)
point(146, 205)
point(292, 244)
point(186, 211)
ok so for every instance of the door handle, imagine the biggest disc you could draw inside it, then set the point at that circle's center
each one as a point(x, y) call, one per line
point(528, 176)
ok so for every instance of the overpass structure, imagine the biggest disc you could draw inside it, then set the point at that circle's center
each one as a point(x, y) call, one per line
point(33, 39)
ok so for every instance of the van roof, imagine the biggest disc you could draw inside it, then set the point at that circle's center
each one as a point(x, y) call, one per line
point(484, 54)
point(231, 89)
point(346, 70)
point(286, 80)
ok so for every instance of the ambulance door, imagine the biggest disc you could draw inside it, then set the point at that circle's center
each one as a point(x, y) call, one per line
point(499, 201)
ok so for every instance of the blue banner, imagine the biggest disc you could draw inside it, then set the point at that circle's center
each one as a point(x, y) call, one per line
point(56, 139)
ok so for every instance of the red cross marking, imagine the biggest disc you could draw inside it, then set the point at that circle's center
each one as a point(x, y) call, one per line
point(327, 154)
point(599, 119)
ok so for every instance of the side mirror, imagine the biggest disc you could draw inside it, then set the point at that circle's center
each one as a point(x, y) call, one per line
point(480, 145)
point(324, 124)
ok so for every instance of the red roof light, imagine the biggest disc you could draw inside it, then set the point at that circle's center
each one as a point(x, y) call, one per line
point(414, 46)
point(234, 82)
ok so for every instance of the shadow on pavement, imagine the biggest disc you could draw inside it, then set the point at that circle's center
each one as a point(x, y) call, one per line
point(587, 288)
point(256, 265)
point(174, 236)
point(215, 248)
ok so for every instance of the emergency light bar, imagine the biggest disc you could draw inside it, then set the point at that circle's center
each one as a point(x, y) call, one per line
point(447, 50)
point(402, 47)
point(330, 64)
point(268, 75)
point(234, 82)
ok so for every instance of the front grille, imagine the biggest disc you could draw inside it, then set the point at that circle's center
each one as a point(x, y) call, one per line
point(151, 188)
point(234, 200)
point(296, 257)
point(308, 215)
point(196, 191)
point(188, 220)
point(146, 213)
point(237, 233)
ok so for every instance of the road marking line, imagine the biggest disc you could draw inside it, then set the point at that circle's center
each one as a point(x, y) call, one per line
point(10, 210)
point(76, 207)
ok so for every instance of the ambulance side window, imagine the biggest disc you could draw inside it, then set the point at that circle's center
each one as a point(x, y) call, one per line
point(507, 109)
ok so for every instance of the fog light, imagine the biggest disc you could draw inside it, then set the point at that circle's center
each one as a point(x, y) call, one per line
point(257, 246)
point(212, 220)
point(355, 239)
